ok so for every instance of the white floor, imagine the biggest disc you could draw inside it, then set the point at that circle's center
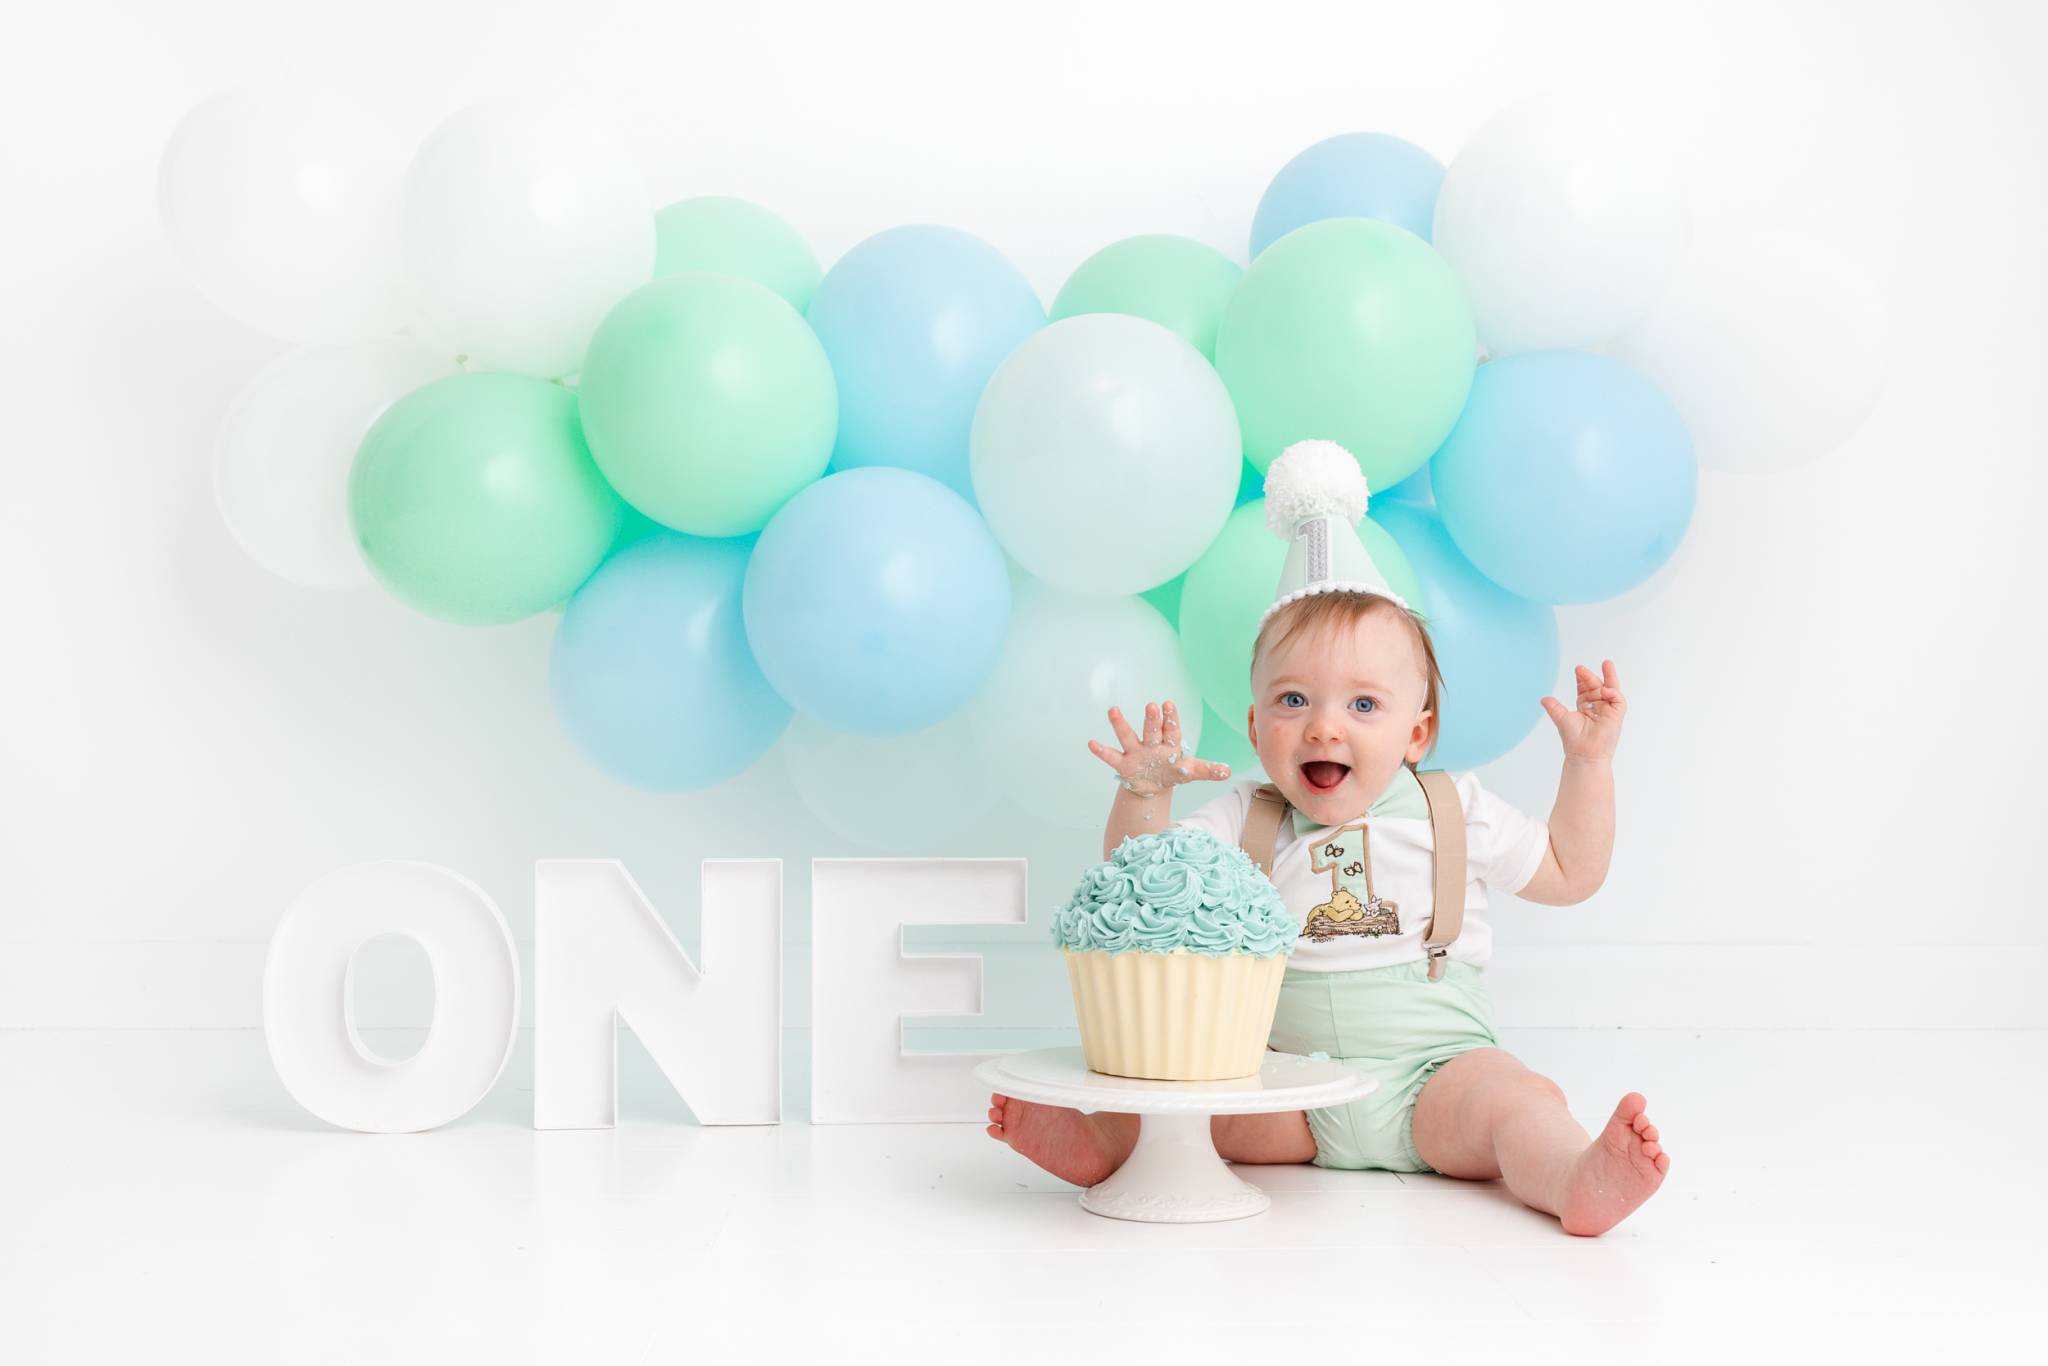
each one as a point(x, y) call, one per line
point(1869, 1196)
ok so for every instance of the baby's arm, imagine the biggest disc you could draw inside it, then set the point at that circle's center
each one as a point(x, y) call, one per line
point(1132, 814)
point(1582, 819)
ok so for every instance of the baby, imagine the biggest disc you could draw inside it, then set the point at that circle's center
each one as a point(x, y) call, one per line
point(1345, 687)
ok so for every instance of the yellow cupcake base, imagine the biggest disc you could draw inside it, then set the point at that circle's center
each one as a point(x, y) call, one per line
point(1176, 1016)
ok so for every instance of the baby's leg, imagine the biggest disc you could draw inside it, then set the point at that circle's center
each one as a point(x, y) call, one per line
point(1484, 1115)
point(1087, 1149)
point(1283, 1137)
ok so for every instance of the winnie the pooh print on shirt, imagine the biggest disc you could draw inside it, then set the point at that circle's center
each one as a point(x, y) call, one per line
point(1352, 908)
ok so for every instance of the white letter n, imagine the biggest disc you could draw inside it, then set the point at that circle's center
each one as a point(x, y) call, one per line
point(602, 956)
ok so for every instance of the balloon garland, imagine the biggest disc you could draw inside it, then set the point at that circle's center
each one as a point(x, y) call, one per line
point(900, 510)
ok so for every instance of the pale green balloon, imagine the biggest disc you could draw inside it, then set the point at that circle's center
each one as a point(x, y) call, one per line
point(1176, 282)
point(1232, 585)
point(1110, 402)
point(708, 402)
point(1166, 597)
point(1067, 659)
point(474, 499)
point(735, 237)
point(860, 786)
point(1354, 331)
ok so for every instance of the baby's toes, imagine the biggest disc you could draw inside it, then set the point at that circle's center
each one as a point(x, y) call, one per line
point(1648, 1133)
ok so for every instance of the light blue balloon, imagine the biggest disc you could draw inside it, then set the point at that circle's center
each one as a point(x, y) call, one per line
point(876, 601)
point(1568, 478)
point(1352, 175)
point(1414, 489)
point(650, 670)
point(1497, 652)
point(915, 320)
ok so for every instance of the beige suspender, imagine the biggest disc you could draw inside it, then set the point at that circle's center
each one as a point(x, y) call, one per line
point(1447, 835)
point(1262, 825)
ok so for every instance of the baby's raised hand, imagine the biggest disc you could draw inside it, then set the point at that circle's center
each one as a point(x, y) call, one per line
point(1151, 764)
point(1593, 730)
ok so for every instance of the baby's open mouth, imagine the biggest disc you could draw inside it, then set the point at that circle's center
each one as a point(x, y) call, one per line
point(1324, 775)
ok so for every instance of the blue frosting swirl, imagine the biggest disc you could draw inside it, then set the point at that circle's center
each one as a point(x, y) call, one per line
point(1179, 889)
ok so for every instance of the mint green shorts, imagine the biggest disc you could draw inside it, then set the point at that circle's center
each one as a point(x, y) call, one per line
point(1393, 1023)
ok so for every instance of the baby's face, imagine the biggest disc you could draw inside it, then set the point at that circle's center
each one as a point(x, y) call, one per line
point(1346, 708)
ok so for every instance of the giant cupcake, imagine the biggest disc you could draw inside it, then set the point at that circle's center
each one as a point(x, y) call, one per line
point(1175, 948)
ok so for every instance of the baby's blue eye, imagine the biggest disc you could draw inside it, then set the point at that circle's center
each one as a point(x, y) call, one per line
point(1369, 707)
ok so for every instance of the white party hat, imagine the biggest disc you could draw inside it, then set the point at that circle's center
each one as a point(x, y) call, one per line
point(1315, 498)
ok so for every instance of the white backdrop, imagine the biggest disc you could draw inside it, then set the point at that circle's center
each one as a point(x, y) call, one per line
point(1828, 803)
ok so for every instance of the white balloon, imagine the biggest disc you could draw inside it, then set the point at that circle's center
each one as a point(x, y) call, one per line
point(894, 793)
point(281, 461)
point(1772, 348)
point(1069, 658)
point(1105, 454)
point(523, 225)
point(1564, 216)
point(283, 205)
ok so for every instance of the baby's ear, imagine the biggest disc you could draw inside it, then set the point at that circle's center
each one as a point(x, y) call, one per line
point(1421, 737)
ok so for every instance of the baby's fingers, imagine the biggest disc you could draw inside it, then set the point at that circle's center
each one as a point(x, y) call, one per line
point(1171, 724)
point(1125, 736)
point(1106, 754)
point(1213, 771)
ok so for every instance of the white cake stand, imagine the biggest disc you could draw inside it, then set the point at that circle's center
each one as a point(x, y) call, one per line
point(1174, 1175)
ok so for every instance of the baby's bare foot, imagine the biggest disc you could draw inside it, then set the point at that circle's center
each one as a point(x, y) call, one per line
point(1083, 1149)
point(1623, 1167)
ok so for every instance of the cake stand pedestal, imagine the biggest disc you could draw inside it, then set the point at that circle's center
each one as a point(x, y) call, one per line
point(1174, 1175)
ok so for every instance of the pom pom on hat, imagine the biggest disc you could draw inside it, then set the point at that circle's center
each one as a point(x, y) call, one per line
point(1313, 478)
point(1315, 500)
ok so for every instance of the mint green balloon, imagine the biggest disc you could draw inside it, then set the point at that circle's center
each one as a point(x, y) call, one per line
point(474, 499)
point(1166, 597)
point(637, 526)
point(708, 402)
point(735, 237)
point(1233, 584)
point(1353, 331)
point(1177, 282)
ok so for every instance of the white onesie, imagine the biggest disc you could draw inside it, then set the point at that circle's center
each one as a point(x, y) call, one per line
point(1361, 890)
